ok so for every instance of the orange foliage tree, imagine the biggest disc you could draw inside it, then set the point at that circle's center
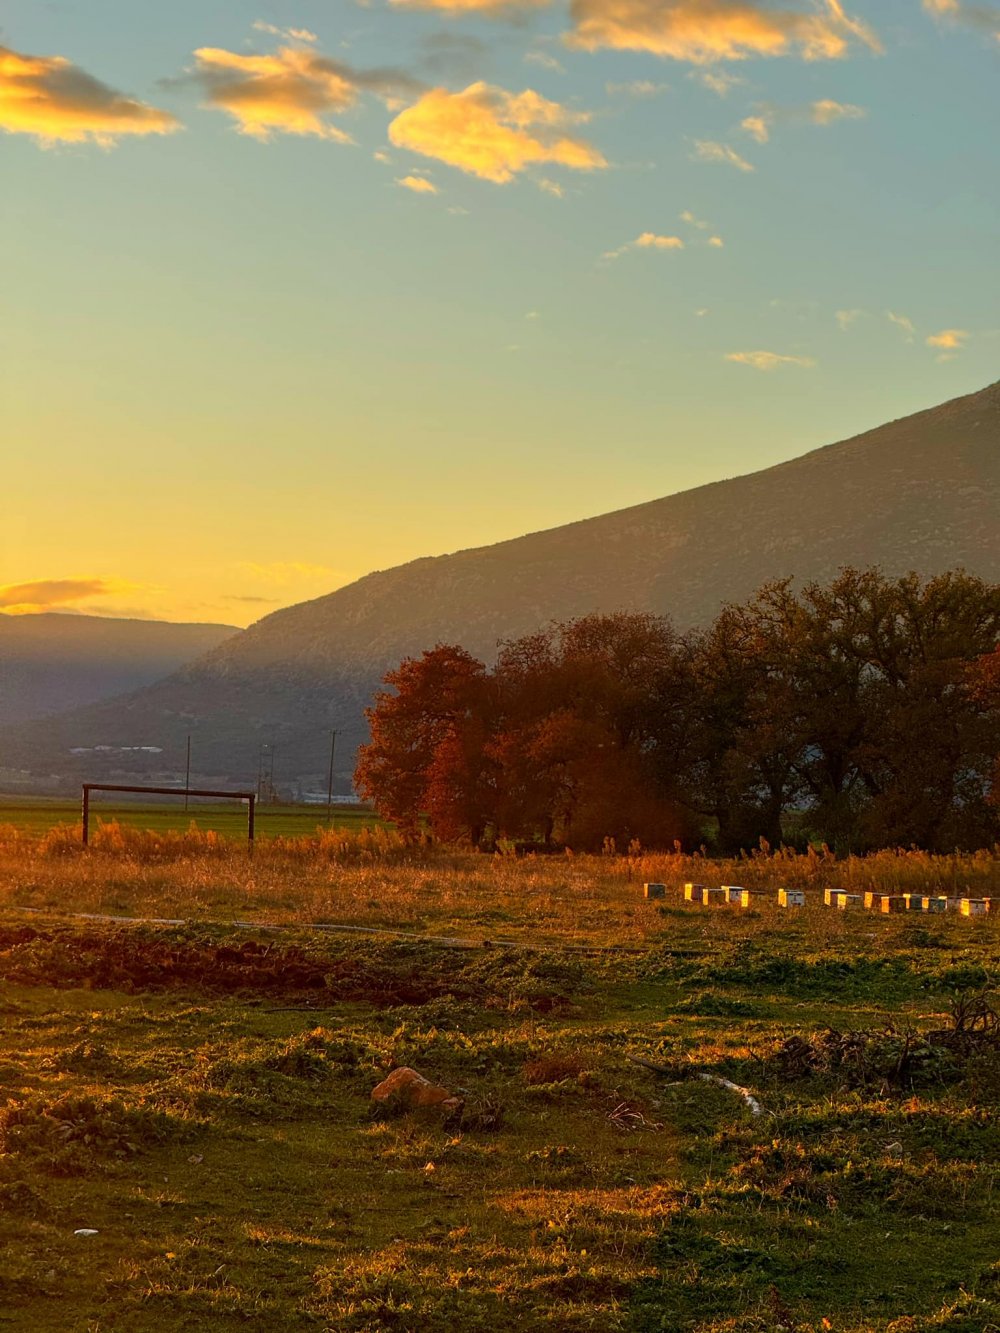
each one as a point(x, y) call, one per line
point(865, 712)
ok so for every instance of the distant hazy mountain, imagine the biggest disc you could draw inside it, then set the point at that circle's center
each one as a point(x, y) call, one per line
point(922, 493)
point(52, 662)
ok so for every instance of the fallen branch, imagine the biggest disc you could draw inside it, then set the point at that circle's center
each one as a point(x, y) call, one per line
point(752, 1104)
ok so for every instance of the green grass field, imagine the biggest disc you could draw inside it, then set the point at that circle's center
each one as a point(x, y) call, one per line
point(37, 815)
point(200, 1097)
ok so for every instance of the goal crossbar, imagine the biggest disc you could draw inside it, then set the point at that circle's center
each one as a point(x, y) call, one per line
point(249, 796)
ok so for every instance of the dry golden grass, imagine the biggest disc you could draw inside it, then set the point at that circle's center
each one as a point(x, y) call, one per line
point(371, 878)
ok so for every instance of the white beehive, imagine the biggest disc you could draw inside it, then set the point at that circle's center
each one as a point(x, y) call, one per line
point(830, 897)
point(954, 904)
point(692, 893)
point(975, 906)
point(791, 898)
point(734, 892)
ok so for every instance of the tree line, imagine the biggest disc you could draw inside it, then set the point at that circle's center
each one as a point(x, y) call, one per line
point(862, 713)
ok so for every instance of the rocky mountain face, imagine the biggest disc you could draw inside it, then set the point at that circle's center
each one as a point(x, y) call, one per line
point(53, 662)
point(922, 493)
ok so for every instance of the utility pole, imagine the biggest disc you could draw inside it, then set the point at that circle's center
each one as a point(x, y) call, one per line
point(187, 774)
point(329, 785)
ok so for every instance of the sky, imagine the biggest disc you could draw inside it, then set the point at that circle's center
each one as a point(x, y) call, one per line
point(300, 289)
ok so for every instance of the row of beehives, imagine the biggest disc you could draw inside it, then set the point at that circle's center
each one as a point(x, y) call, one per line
point(839, 898)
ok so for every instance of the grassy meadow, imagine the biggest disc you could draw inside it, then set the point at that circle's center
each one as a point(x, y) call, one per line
point(37, 816)
point(199, 1094)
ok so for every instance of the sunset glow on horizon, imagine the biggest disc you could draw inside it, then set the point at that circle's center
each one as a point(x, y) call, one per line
point(300, 292)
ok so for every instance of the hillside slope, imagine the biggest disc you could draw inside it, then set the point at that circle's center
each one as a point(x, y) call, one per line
point(53, 662)
point(921, 493)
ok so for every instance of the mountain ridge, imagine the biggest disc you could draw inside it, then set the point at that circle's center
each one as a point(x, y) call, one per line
point(53, 661)
point(921, 492)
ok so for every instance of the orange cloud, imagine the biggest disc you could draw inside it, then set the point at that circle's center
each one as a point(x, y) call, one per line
point(705, 31)
point(648, 240)
point(44, 594)
point(769, 360)
point(948, 340)
point(418, 184)
point(757, 127)
point(493, 134)
point(291, 91)
point(54, 100)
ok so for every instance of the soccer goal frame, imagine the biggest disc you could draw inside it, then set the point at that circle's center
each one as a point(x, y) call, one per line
point(249, 796)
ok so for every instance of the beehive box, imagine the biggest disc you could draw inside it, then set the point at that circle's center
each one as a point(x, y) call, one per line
point(954, 904)
point(892, 902)
point(713, 897)
point(791, 898)
point(914, 902)
point(830, 896)
point(746, 898)
point(929, 903)
point(693, 892)
point(975, 906)
point(734, 892)
point(847, 900)
point(654, 890)
point(873, 900)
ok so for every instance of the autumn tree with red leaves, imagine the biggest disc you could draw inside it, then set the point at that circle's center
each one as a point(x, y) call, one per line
point(865, 712)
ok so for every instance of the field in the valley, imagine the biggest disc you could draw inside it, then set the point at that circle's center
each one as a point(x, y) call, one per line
point(199, 1094)
point(35, 816)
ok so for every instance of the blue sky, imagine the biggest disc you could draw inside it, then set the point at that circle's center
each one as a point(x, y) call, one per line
point(464, 275)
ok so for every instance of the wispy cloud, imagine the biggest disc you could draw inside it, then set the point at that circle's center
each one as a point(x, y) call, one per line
point(986, 18)
point(823, 112)
point(639, 88)
point(281, 572)
point(700, 225)
point(544, 60)
point(49, 594)
point(903, 323)
point(56, 101)
point(827, 112)
point(847, 318)
point(648, 240)
point(719, 81)
point(770, 360)
point(293, 90)
point(693, 221)
point(494, 134)
point(703, 32)
point(288, 34)
point(757, 127)
point(418, 184)
point(706, 150)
